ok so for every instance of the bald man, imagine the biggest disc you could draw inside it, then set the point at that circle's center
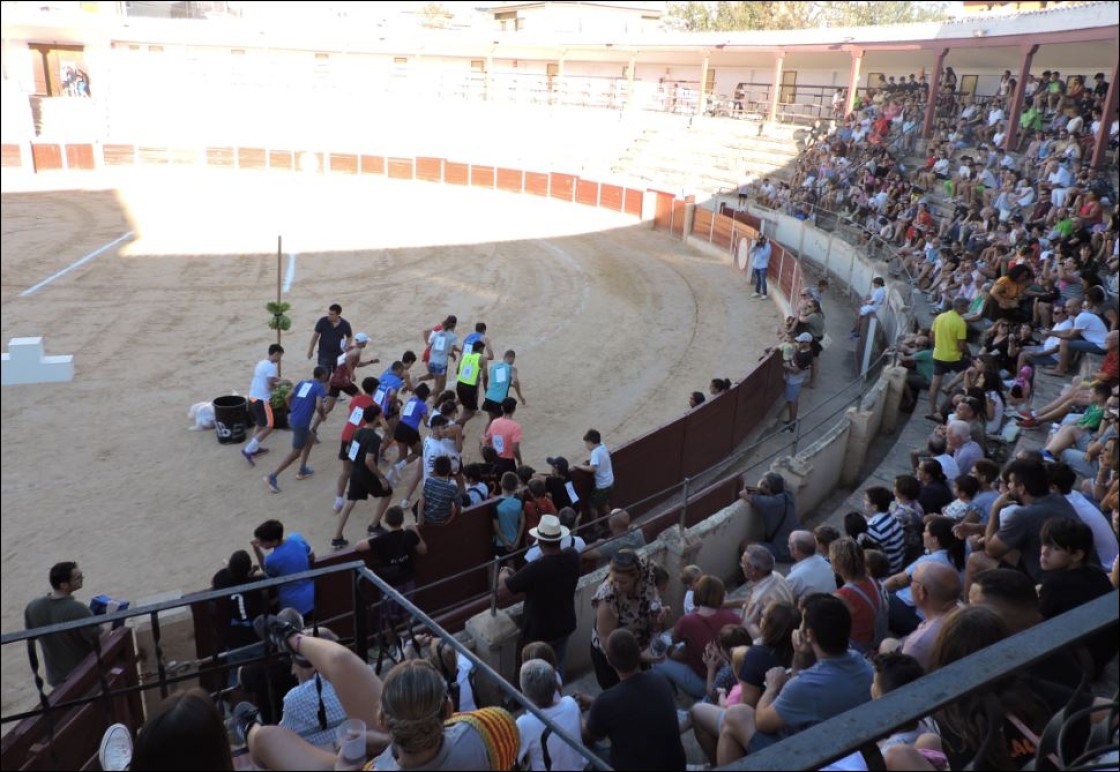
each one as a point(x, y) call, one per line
point(936, 589)
point(621, 537)
point(810, 572)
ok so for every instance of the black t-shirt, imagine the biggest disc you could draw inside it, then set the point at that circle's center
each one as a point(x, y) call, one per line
point(759, 659)
point(368, 441)
point(549, 585)
point(639, 716)
point(558, 491)
point(392, 555)
point(934, 496)
point(238, 611)
point(1065, 590)
point(331, 337)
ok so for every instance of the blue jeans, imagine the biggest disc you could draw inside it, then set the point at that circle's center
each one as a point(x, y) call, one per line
point(682, 677)
point(759, 280)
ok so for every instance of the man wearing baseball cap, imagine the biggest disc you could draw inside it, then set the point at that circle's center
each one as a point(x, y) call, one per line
point(549, 586)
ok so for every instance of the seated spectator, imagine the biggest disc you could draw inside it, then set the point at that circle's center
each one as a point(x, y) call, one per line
point(1082, 431)
point(965, 450)
point(936, 590)
point(721, 676)
point(772, 516)
point(892, 671)
point(867, 604)
point(264, 684)
point(934, 494)
point(185, 731)
point(839, 681)
point(882, 527)
point(1073, 578)
point(764, 586)
point(689, 575)
point(236, 633)
point(775, 649)
point(311, 708)
point(1086, 336)
point(621, 537)
point(638, 714)
point(539, 685)
point(684, 666)
point(941, 547)
point(810, 573)
point(824, 535)
point(962, 508)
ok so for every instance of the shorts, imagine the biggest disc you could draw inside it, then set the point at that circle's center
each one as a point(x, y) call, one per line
point(261, 412)
point(468, 395)
point(349, 388)
point(328, 362)
point(793, 390)
point(500, 551)
point(601, 496)
point(492, 407)
point(361, 488)
point(406, 434)
point(436, 369)
point(300, 436)
point(940, 368)
point(503, 465)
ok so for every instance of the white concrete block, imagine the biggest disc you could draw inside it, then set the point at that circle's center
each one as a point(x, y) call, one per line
point(24, 363)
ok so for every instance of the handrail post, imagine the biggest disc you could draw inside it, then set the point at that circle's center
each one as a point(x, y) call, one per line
point(361, 636)
point(494, 589)
point(684, 503)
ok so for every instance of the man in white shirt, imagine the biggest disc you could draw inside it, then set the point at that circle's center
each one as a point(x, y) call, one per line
point(541, 687)
point(1087, 336)
point(810, 572)
point(599, 465)
point(1045, 354)
point(872, 303)
point(265, 378)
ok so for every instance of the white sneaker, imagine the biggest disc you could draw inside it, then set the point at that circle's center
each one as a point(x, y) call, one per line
point(754, 295)
point(405, 504)
point(339, 503)
point(116, 748)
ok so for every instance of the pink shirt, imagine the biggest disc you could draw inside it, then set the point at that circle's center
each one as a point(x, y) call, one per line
point(502, 434)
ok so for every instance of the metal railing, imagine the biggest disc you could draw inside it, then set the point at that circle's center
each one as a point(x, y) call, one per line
point(837, 737)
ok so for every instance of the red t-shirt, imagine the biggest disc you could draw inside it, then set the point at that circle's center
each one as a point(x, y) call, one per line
point(354, 421)
point(1110, 368)
point(697, 631)
point(863, 616)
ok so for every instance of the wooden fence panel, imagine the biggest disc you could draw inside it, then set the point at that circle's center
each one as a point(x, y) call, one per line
point(47, 157)
point(10, 156)
point(455, 173)
point(429, 169)
point(220, 156)
point(343, 163)
point(562, 186)
point(610, 196)
point(536, 183)
point(251, 158)
point(633, 202)
point(512, 180)
point(373, 164)
point(587, 192)
point(281, 159)
point(482, 176)
point(79, 157)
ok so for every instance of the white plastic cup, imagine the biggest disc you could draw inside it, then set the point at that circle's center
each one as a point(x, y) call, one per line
point(351, 739)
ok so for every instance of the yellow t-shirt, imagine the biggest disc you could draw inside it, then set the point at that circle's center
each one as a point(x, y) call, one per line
point(949, 329)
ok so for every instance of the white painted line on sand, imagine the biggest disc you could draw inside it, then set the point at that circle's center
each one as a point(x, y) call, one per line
point(290, 274)
point(72, 266)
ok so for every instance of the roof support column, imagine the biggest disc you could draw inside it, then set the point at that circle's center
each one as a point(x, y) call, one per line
point(702, 102)
point(1100, 143)
point(853, 80)
point(776, 87)
point(1016, 110)
point(934, 87)
point(630, 67)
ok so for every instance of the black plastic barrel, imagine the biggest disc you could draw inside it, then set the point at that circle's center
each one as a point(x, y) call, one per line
point(231, 417)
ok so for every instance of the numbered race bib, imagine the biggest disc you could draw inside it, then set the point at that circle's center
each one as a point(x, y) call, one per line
point(304, 390)
point(571, 489)
point(500, 375)
point(409, 408)
point(499, 443)
point(341, 359)
point(356, 416)
point(439, 344)
point(353, 452)
point(379, 396)
point(468, 371)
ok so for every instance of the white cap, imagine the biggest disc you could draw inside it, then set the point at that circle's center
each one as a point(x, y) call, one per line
point(804, 338)
point(361, 337)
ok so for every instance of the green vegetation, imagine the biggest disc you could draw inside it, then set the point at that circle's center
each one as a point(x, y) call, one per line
point(725, 16)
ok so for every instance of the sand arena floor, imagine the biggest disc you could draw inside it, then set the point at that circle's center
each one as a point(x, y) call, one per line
point(613, 325)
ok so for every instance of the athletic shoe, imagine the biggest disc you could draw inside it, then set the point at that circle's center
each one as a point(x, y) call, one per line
point(248, 457)
point(260, 451)
point(405, 503)
point(1048, 456)
point(245, 716)
point(116, 748)
point(270, 481)
point(853, 335)
point(337, 544)
point(754, 295)
point(304, 473)
point(277, 631)
point(339, 503)
point(315, 436)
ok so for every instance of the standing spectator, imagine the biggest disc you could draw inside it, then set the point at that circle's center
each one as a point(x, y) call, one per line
point(623, 601)
point(537, 503)
point(872, 303)
point(599, 465)
point(290, 555)
point(950, 349)
point(62, 652)
point(504, 435)
point(936, 590)
point(509, 518)
point(394, 552)
point(538, 684)
point(333, 334)
point(839, 681)
point(772, 516)
point(549, 585)
point(558, 483)
point(620, 537)
point(760, 265)
point(810, 573)
point(304, 402)
point(638, 713)
point(684, 667)
point(439, 498)
point(265, 378)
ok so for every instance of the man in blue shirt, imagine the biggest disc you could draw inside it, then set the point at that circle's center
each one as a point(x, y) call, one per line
point(289, 556)
point(305, 401)
point(760, 264)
